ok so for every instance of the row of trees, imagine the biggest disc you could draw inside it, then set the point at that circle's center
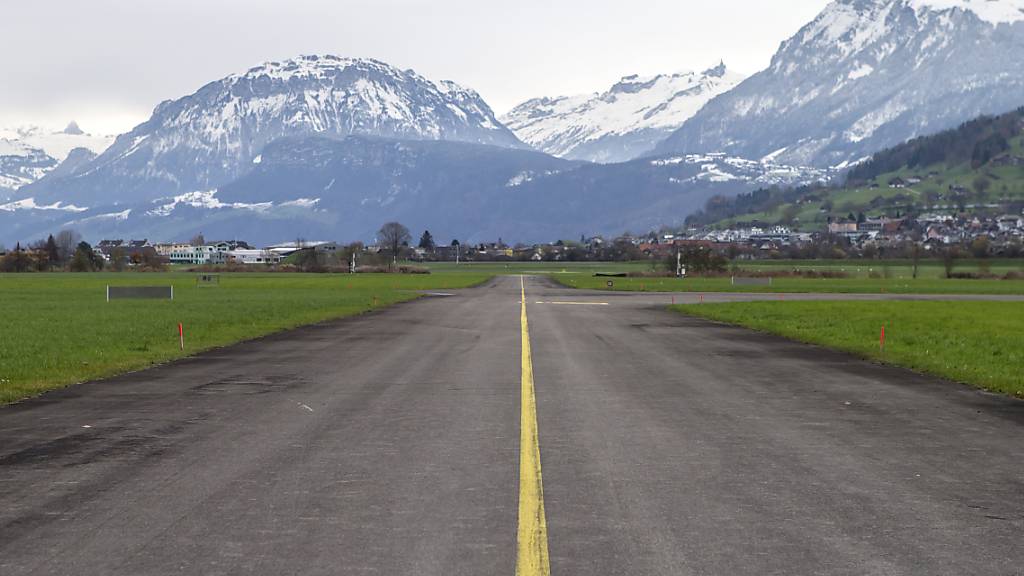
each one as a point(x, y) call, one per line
point(48, 255)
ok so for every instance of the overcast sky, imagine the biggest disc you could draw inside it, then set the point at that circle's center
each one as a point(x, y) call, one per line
point(107, 63)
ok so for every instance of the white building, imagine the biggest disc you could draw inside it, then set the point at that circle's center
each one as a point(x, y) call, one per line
point(253, 257)
point(199, 255)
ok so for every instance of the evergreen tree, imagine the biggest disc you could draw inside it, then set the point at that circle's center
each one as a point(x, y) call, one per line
point(52, 251)
point(85, 259)
point(427, 241)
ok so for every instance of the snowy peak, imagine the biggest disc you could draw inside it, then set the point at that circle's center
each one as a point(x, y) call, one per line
point(57, 144)
point(380, 96)
point(28, 153)
point(621, 124)
point(992, 11)
point(72, 129)
point(865, 75)
point(213, 136)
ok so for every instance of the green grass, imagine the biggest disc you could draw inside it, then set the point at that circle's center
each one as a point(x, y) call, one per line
point(898, 269)
point(802, 285)
point(58, 328)
point(976, 343)
point(865, 277)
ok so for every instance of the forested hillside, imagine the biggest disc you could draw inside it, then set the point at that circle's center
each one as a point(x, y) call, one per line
point(975, 168)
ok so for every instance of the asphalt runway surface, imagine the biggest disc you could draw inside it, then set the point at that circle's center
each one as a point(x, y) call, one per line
point(391, 444)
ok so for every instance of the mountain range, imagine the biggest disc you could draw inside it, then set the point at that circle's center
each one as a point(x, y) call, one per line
point(27, 153)
point(333, 147)
point(212, 137)
point(866, 75)
point(621, 124)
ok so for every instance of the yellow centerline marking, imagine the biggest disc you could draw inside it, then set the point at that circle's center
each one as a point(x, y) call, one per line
point(532, 538)
point(576, 303)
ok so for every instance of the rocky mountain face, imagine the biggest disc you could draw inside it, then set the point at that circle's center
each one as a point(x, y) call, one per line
point(212, 137)
point(621, 124)
point(866, 75)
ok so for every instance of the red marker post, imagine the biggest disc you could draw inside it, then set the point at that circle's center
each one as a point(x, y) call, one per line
point(881, 341)
point(181, 336)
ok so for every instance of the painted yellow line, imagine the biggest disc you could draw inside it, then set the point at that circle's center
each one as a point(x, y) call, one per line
point(576, 303)
point(532, 538)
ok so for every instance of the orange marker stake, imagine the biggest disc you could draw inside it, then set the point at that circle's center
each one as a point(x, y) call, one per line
point(181, 336)
point(881, 341)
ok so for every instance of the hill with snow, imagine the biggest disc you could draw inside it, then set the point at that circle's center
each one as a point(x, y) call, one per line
point(622, 123)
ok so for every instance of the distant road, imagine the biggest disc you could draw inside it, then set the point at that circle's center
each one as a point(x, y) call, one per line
point(391, 444)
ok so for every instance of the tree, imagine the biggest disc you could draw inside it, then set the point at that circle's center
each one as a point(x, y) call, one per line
point(40, 259)
point(85, 260)
point(198, 240)
point(118, 259)
point(16, 261)
point(980, 247)
point(393, 236)
point(698, 260)
point(915, 252)
point(949, 256)
point(52, 251)
point(153, 261)
point(67, 242)
point(427, 241)
point(981, 185)
point(789, 214)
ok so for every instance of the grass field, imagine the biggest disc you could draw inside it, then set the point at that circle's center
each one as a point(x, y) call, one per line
point(977, 343)
point(865, 277)
point(58, 328)
point(801, 285)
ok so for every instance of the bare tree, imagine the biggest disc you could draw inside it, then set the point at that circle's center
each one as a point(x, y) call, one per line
point(67, 242)
point(949, 256)
point(198, 240)
point(118, 259)
point(393, 236)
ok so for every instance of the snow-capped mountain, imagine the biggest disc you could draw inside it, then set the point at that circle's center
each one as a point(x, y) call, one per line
point(213, 136)
point(345, 188)
point(623, 123)
point(28, 153)
point(865, 75)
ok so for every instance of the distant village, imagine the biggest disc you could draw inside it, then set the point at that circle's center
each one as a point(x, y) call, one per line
point(852, 237)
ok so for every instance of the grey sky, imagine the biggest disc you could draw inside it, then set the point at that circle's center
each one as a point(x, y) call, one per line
point(107, 63)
